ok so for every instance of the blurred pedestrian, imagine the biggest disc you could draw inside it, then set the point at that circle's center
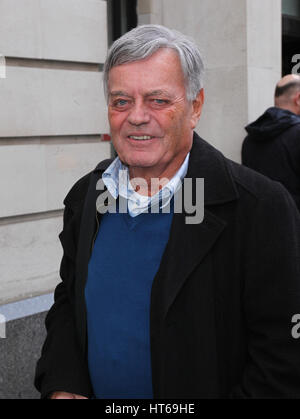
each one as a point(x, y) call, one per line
point(272, 146)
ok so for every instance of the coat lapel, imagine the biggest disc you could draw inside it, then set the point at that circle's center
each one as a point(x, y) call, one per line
point(187, 246)
point(189, 243)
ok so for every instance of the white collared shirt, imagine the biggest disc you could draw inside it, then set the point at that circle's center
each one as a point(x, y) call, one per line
point(116, 179)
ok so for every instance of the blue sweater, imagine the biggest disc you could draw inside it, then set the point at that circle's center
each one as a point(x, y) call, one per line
point(124, 262)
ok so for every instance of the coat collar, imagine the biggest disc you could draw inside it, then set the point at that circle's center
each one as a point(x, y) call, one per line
point(208, 163)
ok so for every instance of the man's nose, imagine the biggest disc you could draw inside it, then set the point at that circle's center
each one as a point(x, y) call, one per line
point(139, 114)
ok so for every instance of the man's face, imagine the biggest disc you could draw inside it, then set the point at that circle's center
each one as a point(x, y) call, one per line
point(150, 119)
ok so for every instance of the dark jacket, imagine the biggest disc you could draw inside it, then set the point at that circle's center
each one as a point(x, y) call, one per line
point(272, 148)
point(222, 301)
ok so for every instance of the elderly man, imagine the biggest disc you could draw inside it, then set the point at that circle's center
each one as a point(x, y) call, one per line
point(153, 306)
point(272, 146)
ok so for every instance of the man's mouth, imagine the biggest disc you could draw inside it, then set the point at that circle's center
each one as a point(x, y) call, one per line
point(140, 137)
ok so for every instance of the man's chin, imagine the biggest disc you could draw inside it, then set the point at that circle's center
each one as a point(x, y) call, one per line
point(138, 161)
point(137, 164)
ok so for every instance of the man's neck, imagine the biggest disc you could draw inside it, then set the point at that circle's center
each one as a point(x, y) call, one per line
point(149, 181)
point(287, 107)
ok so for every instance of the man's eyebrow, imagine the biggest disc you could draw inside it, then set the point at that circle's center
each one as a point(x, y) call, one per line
point(119, 93)
point(157, 93)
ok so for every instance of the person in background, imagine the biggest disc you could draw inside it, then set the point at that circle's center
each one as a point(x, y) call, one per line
point(272, 146)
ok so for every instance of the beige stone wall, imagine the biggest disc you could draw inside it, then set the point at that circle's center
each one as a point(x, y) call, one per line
point(52, 113)
point(241, 44)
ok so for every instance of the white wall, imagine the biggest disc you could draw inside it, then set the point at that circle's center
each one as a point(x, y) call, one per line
point(52, 114)
point(69, 30)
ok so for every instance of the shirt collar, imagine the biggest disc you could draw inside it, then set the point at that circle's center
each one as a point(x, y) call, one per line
point(116, 179)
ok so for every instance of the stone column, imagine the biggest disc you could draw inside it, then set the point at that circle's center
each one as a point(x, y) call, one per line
point(241, 44)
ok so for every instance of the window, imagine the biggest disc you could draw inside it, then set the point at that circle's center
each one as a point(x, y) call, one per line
point(122, 17)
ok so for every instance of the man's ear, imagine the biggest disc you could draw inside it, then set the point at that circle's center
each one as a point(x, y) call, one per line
point(296, 103)
point(197, 108)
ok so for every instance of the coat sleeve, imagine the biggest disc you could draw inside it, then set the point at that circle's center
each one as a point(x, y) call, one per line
point(271, 300)
point(62, 366)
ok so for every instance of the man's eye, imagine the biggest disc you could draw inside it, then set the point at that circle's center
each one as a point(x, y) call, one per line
point(160, 101)
point(120, 102)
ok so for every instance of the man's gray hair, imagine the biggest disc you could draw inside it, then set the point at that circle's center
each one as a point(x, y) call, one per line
point(144, 41)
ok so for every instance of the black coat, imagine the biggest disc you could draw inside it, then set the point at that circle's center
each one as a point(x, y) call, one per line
point(222, 301)
point(272, 148)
